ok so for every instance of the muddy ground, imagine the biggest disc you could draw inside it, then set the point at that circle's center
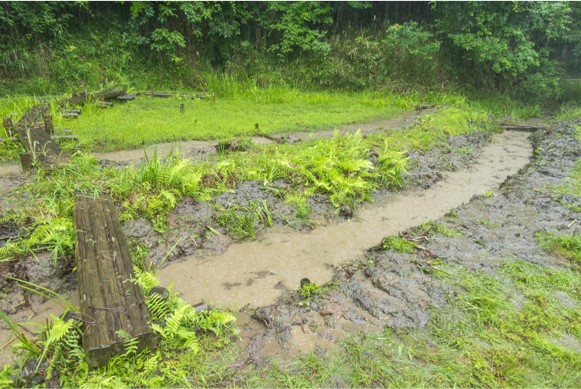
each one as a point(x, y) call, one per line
point(397, 290)
point(188, 232)
point(388, 288)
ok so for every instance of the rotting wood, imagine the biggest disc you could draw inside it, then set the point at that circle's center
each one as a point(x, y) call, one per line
point(421, 107)
point(64, 137)
point(109, 300)
point(157, 94)
point(37, 142)
point(104, 104)
point(48, 124)
point(126, 97)
point(84, 97)
point(516, 127)
point(26, 161)
point(8, 125)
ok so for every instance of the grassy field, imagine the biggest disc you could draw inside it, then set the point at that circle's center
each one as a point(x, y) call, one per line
point(149, 120)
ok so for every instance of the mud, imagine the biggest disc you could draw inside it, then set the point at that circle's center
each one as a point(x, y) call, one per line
point(376, 288)
point(397, 290)
point(314, 255)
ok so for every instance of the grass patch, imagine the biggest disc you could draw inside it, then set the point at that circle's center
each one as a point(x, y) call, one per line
point(399, 245)
point(567, 246)
point(482, 339)
point(149, 120)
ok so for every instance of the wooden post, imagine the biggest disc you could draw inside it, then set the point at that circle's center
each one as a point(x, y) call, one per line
point(8, 125)
point(26, 161)
point(109, 300)
point(48, 125)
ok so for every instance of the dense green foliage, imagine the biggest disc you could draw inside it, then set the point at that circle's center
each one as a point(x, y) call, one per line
point(520, 48)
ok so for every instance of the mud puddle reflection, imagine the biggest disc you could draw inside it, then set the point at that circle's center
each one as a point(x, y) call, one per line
point(256, 273)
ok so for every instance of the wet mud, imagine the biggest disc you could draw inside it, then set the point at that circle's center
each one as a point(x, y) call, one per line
point(370, 289)
point(397, 290)
point(286, 255)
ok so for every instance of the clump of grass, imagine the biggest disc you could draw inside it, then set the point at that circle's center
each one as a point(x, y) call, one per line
point(568, 246)
point(441, 229)
point(399, 245)
point(243, 221)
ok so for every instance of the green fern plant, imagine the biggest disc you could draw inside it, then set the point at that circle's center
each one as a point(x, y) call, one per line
point(130, 343)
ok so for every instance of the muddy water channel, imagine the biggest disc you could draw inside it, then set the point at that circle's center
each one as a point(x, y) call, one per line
point(255, 273)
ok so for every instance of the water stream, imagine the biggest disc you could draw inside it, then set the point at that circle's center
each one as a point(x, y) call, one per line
point(252, 273)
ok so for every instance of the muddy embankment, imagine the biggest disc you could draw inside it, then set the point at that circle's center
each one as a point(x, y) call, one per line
point(385, 288)
point(250, 275)
point(255, 274)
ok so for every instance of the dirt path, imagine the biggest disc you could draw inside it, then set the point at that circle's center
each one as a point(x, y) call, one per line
point(255, 273)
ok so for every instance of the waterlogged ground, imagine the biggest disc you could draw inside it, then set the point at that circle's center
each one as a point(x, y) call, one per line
point(457, 301)
point(473, 300)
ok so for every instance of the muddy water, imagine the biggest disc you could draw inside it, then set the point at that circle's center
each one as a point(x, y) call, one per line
point(255, 273)
point(9, 169)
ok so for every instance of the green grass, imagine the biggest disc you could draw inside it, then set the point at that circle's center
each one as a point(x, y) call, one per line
point(568, 246)
point(484, 338)
point(149, 120)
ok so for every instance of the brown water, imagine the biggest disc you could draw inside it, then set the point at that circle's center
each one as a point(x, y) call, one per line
point(252, 273)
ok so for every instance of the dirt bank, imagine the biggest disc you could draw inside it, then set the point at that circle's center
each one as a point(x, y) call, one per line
point(397, 290)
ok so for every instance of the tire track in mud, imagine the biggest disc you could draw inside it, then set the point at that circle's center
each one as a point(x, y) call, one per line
point(256, 273)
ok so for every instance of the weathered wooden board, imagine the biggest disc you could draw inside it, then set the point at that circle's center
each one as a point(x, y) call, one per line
point(83, 97)
point(157, 94)
point(37, 141)
point(109, 300)
point(8, 125)
point(526, 128)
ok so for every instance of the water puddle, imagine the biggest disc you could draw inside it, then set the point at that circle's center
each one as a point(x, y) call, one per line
point(9, 169)
point(255, 273)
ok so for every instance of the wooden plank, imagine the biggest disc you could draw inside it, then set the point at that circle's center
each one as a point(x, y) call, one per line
point(126, 97)
point(64, 137)
point(26, 161)
point(104, 104)
point(48, 124)
point(158, 94)
point(109, 300)
point(526, 128)
point(38, 142)
point(8, 125)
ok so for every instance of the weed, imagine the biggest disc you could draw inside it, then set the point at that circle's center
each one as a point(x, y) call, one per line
point(242, 221)
point(568, 246)
point(308, 291)
point(441, 229)
point(488, 194)
point(488, 224)
point(399, 245)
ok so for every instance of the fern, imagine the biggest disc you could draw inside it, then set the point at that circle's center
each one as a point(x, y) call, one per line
point(130, 343)
point(54, 334)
